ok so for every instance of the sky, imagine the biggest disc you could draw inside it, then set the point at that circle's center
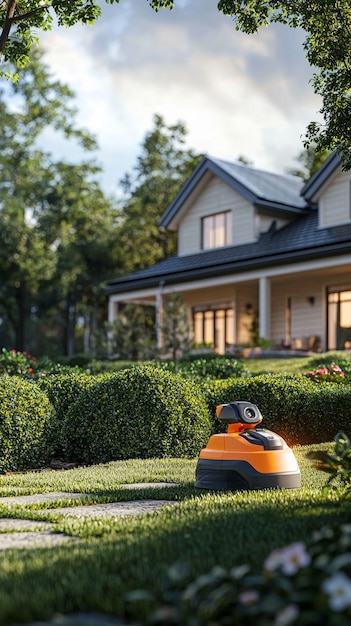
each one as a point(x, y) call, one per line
point(237, 94)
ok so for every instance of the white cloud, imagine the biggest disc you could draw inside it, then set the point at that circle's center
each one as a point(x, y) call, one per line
point(237, 94)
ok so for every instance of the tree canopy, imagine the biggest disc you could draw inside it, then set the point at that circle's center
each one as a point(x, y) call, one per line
point(57, 227)
point(163, 165)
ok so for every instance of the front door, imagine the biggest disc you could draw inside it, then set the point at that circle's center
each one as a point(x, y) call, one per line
point(339, 319)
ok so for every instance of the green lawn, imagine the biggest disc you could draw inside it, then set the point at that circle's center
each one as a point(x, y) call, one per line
point(121, 555)
point(278, 366)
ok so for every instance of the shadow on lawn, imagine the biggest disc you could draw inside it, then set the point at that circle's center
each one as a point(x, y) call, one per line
point(135, 554)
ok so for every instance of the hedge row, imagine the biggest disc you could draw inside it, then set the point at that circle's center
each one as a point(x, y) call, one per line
point(300, 410)
point(137, 413)
point(145, 412)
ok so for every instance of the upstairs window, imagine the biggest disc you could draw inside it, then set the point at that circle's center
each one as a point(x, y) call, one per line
point(216, 230)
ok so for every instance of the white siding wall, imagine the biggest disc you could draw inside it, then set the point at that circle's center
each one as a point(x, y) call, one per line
point(216, 197)
point(334, 203)
point(306, 319)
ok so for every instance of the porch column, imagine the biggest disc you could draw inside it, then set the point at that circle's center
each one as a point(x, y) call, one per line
point(264, 307)
point(112, 310)
point(235, 317)
point(112, 314)
point(159, 316)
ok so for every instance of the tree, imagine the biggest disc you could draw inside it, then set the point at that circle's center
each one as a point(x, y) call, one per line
point(162, 167)
point(132, 334)
point(56, 226)
point(21, 19)
point(177, 332)
point(80, 223)
point(310, 161)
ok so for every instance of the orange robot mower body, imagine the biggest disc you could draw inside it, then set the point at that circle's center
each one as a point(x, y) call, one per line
point(247, 456)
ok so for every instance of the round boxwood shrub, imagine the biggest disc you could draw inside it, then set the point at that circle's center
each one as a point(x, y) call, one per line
point(26, 417)
point(141, 412)
point(62, 391)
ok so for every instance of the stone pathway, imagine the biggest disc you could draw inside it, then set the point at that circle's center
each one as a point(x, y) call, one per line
point(22, 533)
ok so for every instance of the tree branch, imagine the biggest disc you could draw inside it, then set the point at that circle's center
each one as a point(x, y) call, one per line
point(24, 16)
point(11, 18)
point(11, 7)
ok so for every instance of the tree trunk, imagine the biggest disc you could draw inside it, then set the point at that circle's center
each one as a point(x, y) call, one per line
point(21, 328)
point(70, 325)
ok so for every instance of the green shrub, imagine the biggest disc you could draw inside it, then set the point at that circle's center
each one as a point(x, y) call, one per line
point(15, 363)
point(202, 368)
point(62, 391)
point(293, 406)
point(26, 418)
point(337, 464)
point(342, 359)
point(137, 413)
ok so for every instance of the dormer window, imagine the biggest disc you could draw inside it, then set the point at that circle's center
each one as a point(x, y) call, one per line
point(216, 230)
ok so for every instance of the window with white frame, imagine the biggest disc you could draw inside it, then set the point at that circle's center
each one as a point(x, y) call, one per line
point(216, 230)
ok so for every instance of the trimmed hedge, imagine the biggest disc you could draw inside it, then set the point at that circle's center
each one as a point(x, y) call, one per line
point(301, 411)
point(201, 368)
point(26, 417)
point(141, 412)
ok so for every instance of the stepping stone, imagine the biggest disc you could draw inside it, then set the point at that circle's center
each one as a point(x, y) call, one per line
point(40, 539)
point(148, 485)
point(41, 497)
point(113, 509)
point(9, 524)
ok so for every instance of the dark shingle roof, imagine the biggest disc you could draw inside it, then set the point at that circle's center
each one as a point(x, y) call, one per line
point(281, 188)
point(265, 189)
point(318, 179)
point(300, 240)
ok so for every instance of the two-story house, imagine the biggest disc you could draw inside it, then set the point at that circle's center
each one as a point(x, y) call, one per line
point(251, 242)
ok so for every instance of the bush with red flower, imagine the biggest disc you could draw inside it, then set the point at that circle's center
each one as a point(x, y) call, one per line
point(16, 363)
point(330, 374)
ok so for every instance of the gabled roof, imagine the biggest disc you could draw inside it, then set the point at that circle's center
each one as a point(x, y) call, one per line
point(318, 179)
point(299, 241)
point(262, 188)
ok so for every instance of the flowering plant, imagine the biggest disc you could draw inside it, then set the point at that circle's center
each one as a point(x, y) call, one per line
point(16, 363)
point(302, 584)
point(337, 464)
point(333, 374)
point(13, 362)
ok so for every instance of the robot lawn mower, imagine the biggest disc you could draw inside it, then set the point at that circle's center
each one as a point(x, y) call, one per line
point(246, 457)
